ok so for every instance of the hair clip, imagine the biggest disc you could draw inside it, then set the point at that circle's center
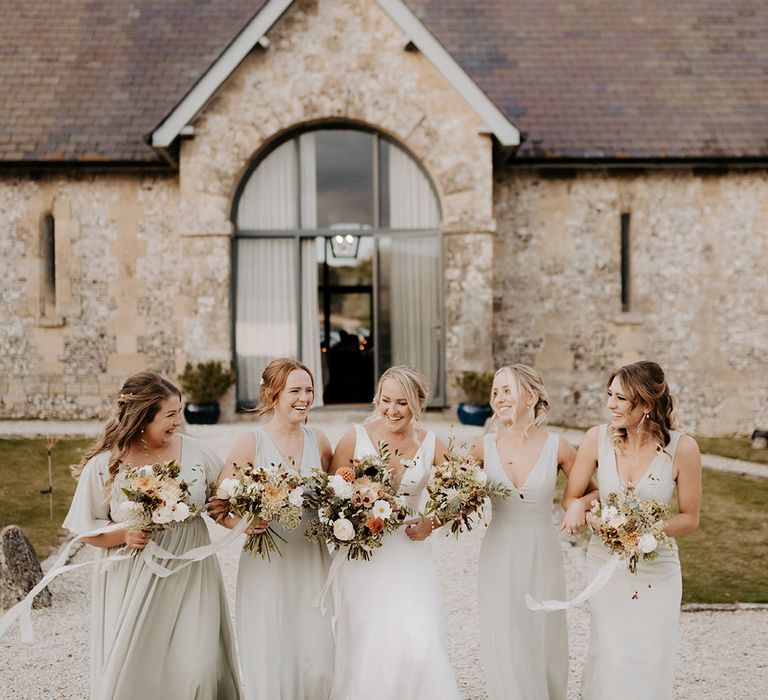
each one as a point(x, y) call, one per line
point(261, 381)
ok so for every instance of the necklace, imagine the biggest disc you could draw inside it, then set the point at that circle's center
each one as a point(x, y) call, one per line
point(153, 458)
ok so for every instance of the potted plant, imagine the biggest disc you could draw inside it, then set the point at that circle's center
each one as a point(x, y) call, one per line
point(203, 385)
point(477, 390)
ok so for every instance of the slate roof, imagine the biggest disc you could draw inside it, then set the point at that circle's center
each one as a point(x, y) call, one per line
point(85, 80)
point(617, 78)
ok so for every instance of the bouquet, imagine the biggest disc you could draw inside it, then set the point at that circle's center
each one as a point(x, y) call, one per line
point(356, 506)
point(628, 526)
point(273, 493)
point(155, 497)
point(457, 488)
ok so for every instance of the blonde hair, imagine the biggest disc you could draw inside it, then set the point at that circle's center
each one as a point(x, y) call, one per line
point(644, 383)
point(273, 381)
point(526, 380)
point(414, 385)
point(135, 407)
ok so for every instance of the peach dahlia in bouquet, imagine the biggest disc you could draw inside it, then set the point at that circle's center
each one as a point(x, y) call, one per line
point(356, 506)
point(272, 493)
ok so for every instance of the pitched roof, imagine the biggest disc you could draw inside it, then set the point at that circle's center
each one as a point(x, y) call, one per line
point(85, 80)
point(617, 78)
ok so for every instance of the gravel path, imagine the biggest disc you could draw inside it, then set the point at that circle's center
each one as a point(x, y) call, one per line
point(722, 654)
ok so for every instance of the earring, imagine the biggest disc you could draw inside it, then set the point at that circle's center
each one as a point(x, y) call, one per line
point(640, 424)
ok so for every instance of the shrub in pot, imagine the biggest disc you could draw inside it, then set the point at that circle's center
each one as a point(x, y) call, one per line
point(203, 385)
point(477, 390)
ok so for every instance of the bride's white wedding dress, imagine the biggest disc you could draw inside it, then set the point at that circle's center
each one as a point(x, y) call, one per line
point(389, 637)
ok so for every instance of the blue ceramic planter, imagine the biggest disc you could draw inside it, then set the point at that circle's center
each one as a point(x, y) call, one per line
point(202, 413)
point(474, 413)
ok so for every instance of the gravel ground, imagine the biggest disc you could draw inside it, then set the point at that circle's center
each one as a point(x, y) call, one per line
point(722, 654)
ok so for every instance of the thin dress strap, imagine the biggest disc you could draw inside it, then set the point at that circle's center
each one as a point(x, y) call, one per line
point(363, 443)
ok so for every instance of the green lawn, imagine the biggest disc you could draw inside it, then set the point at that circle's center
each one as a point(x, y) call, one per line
point(23, 474)
point(733, 447)
point(724, 560)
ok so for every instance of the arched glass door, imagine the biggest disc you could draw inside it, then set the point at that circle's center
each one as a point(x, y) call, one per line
point(338, 261)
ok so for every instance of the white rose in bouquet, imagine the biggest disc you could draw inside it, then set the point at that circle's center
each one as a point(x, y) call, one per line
point(343, 530)
point(296, 497)
point(180, 512)
point(617, 521)
point(227, 489)
point(481, 477)
point(163, 516)
point(647, 543)
point(341, 487)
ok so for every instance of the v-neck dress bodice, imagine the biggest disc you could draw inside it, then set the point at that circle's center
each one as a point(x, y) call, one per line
point(286, 647)
point(525, 653)
point(634, 619)
point(389, 634)
point(413, 483)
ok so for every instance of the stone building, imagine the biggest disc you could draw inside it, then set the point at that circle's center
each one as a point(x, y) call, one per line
point(447, 183)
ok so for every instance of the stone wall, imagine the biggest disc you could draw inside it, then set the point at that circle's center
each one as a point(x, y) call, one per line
point(699, 288)
point(130, 294)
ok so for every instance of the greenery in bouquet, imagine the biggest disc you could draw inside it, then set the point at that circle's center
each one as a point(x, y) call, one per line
point(629, 526)
point(356, 506)
point(457, 489)
point(273, 494)
point(153, 496)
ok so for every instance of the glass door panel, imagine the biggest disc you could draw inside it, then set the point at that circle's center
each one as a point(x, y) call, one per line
point(409, 324)
point(345, 302)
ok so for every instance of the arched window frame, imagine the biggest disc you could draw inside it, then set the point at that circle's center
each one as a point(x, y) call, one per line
point(377, 231)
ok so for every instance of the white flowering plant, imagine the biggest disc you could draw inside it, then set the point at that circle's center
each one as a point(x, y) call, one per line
point(356, 506)
point(154, 496)
point(274, 494)
point(457, 489)
point(630, 526)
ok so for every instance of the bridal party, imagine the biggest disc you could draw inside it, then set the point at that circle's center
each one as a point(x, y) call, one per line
point(338, 596)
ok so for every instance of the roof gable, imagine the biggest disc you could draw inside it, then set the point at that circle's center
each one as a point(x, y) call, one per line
point(495, 120)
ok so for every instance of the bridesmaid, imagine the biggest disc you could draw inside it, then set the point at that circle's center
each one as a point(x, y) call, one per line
point(525, 653)
point(153, 638)
point(634, 619)
point(286, 647)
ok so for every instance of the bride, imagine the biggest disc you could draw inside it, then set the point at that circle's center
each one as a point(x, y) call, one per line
point(389, 638)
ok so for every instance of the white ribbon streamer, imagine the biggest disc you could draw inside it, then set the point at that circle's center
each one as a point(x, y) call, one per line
point(154, 551)
point(22, 611)
point(602, 577)
point(332, 586)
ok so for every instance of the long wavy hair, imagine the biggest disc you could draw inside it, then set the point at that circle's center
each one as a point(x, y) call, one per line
point(644, 384)
point(135, 407)
point(273, 381)
point(523, 380)
point(414, 385)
